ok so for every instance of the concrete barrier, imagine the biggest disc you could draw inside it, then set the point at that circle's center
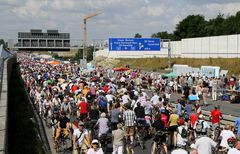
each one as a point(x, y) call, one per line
point(7, 69)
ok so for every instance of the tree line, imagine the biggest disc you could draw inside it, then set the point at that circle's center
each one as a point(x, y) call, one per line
point(197, 26)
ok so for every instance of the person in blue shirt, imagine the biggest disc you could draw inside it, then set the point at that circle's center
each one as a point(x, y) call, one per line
point(237, 125)
point(188, 109)
point(179, 108)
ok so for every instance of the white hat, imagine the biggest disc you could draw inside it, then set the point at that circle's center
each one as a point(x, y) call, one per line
point(94, 141)
point(201, 116)
point(103, 115)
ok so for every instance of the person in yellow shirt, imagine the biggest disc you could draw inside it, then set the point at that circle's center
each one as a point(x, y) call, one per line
point(173, 125)
point(85, 91)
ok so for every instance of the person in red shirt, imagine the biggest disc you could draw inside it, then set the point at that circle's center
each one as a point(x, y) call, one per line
point(165, 114)
point(216, 114)
point(105, 88)
point(83, 107)
point(193, 118)
point(74, 88)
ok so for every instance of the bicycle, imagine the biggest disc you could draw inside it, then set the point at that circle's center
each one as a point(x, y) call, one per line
point(140, 135)
point(159, 148)
point(129, 147)
point(104, 142)
point(62, 145)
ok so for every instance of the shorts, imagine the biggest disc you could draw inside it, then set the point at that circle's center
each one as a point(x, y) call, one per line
point(173, 128)
point(214, 126)
point(129, 130)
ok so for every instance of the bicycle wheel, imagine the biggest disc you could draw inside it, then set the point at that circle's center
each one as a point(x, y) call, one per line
point(129, 149)
point(140, 140)
point(160, 149)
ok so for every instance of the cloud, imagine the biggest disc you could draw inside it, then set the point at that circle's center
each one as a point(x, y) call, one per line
point(118, 18)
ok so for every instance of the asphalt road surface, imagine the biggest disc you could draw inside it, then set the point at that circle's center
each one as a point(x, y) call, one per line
point(226, 108)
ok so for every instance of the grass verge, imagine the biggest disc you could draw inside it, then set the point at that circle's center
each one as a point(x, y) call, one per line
point(230, 64)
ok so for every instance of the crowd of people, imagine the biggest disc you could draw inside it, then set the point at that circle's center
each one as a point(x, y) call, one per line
point(87, 105)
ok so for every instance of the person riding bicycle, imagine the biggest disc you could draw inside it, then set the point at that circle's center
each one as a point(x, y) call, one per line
point(118, 140)
point(115, 116)
point(63, 127)
point(93, 114)
point(95, 148)
point(225, 135)
point(47, 106)
point(173, 125)
point(201, 126)
point(54, 121)
point(102, 124)
point(83, 109)
point(204, 144)
point(129, 119)
point(65, 106)
point(80, 139)
point(140, 114)
point(236, 148)
point(182, 133)
point(158, 125)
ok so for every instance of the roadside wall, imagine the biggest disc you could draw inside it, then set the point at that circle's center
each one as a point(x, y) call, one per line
point(225, 46)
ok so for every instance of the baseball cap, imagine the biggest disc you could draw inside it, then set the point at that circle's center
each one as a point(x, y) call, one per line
point(81, 123)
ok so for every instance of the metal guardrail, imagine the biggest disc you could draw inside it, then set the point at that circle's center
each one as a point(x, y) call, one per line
point(1, 73)
point(227, 119)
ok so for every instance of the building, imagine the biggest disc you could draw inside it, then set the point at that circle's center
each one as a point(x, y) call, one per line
point(36, 40)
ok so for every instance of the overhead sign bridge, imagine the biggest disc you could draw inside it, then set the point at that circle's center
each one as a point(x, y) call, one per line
point(134, 44)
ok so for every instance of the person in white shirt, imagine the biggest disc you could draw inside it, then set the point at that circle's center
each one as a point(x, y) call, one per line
point(125, 98)
point(179, 151)
point(236, 149)
point(110, 97)
point(226, 134)
point(95, 149)
point(205, 144)
point(181, 140)
point(201, 120)
point(154, 99)
point(78, 138)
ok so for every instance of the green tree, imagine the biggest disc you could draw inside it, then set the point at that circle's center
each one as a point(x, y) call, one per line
point(137, 35)
point(162, 35)
point(191, 26)
point(214, 27)
point(79, 54)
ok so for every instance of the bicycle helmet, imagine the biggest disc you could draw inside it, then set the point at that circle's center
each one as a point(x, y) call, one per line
point(55, 111)
point(231, 141)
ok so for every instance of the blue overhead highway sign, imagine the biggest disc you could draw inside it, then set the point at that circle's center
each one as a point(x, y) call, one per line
point(134, 44)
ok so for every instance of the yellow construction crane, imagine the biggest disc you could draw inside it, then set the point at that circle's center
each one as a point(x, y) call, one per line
point(85, 33)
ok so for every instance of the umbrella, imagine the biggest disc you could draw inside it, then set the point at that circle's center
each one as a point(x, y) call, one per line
point(170, 75)
point(121, 69)
point(54, 62)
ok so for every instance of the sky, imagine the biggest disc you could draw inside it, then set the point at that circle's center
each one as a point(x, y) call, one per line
point(118, 18)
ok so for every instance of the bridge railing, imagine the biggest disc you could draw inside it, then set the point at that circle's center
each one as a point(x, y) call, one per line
point(227, 119)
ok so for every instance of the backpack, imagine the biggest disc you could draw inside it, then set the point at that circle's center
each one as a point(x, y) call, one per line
point(199, 127)
point(184, 132)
